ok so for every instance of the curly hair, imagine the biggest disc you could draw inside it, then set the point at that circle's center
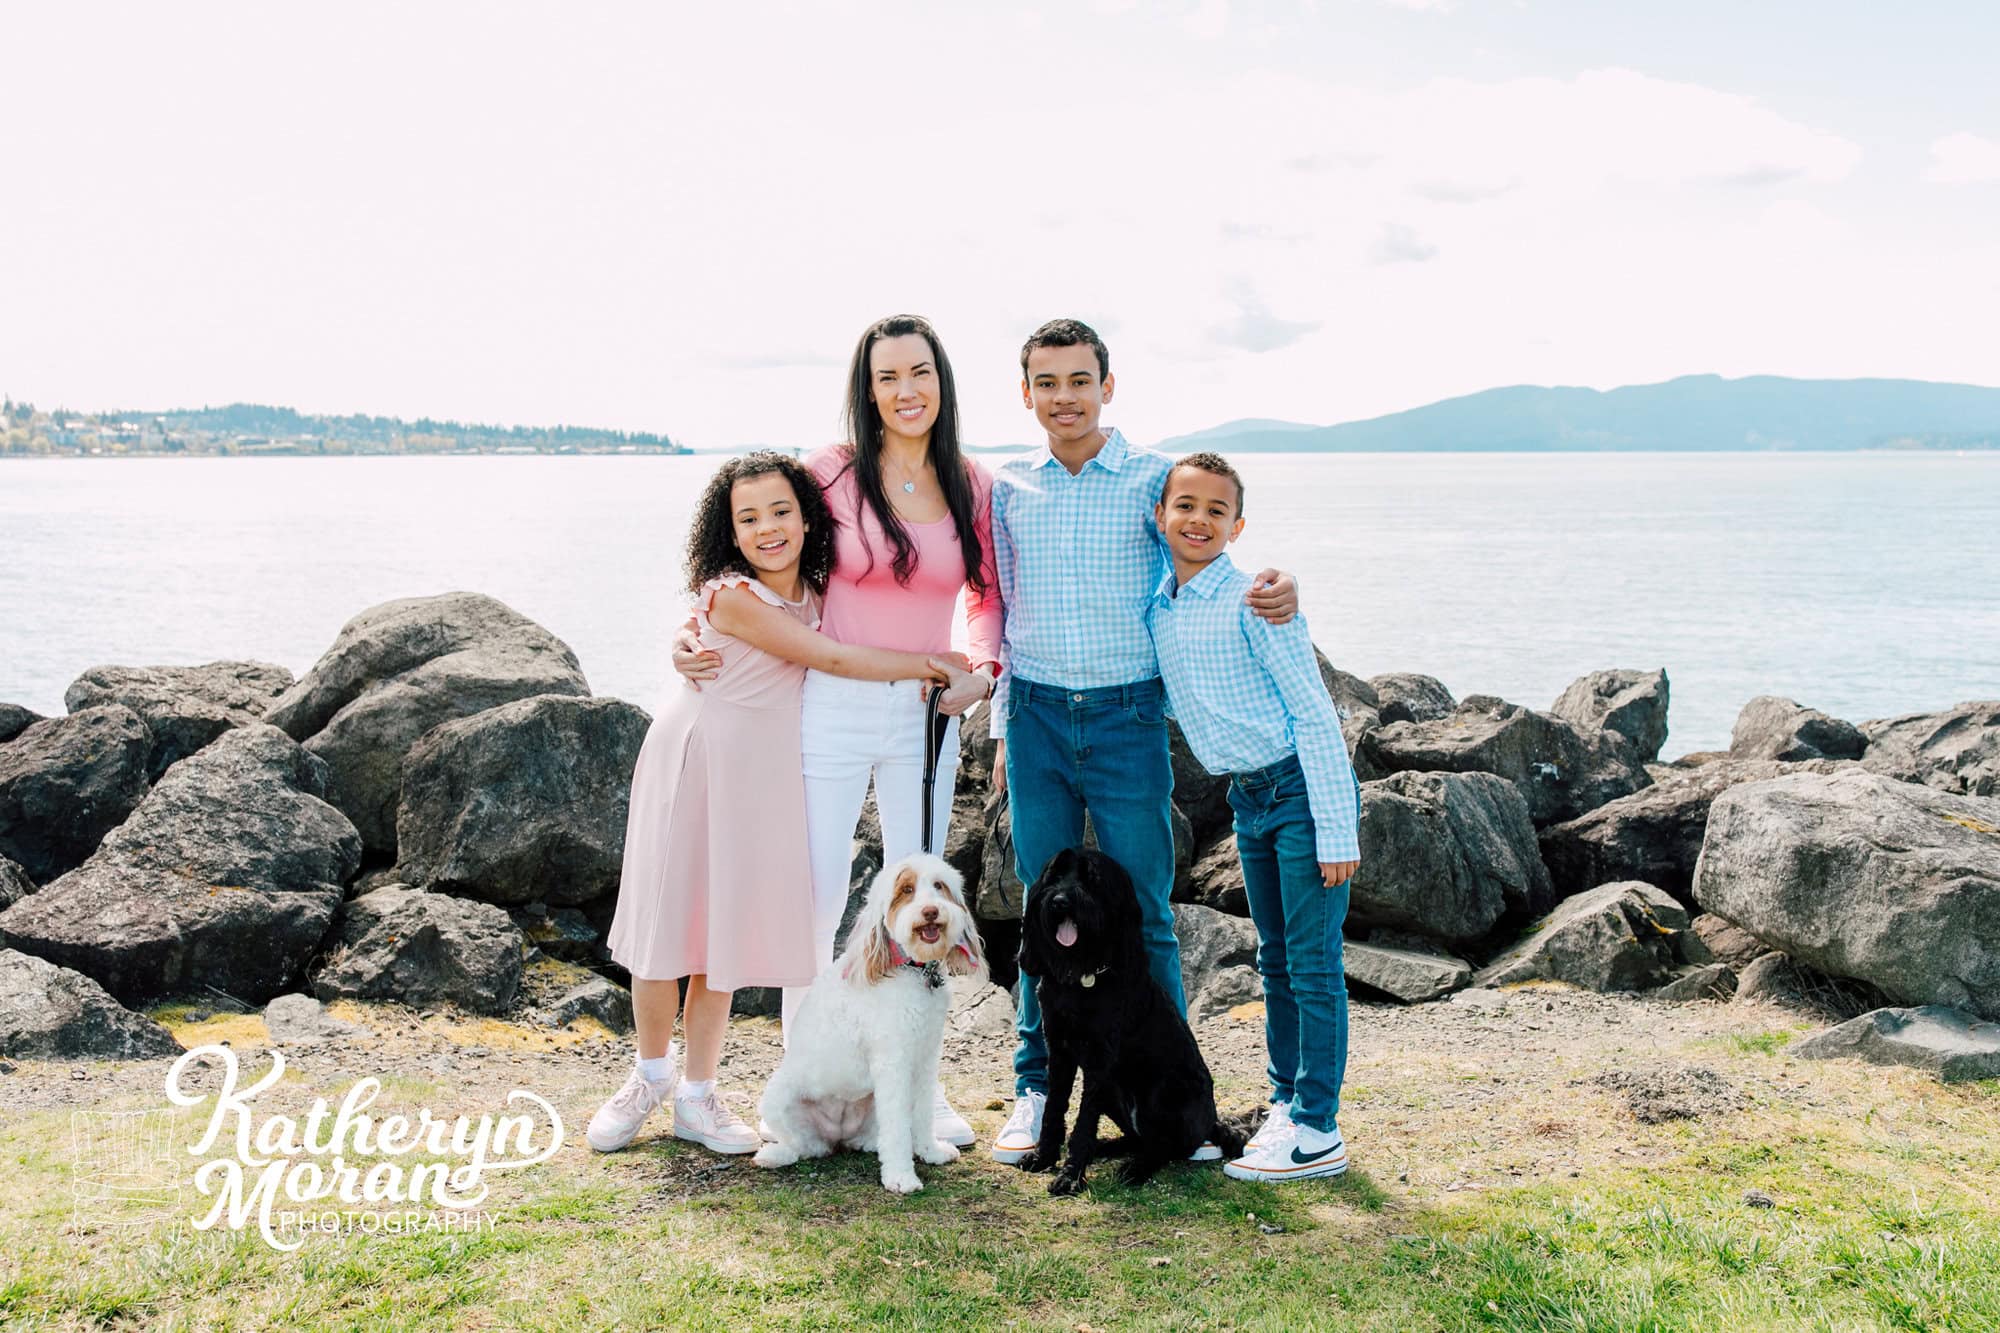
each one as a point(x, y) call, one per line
point(711, 548)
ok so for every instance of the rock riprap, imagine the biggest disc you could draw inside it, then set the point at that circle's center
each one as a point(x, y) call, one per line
point(1617, 937)
point(1957, 750)
point(1630, 703)
point(55, 1013)
point(1862, 876)
point(401, 668)
point(1773, 728)
point(1654, 834)
point(65, 782)
point(227, 875)
point(425, 949)
point(186, 707)
point(1446, 855)
point(1562, 770)
point(1944, 1041)
point(521, 803)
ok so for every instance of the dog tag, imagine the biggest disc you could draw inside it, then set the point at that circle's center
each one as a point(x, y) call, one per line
point(1087, 979)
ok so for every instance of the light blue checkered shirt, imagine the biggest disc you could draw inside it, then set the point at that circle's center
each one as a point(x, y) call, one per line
point(1079, 558)
point(1247, 693)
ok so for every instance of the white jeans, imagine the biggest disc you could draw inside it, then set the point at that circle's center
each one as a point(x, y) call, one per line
point(851, 730)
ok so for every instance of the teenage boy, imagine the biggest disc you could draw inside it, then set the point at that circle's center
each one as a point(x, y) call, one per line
point(1079, 710)
point(1252, 704)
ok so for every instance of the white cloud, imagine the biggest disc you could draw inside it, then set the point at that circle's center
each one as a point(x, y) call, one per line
point(680, 219)
point(1400, 244)
point(1964, 159)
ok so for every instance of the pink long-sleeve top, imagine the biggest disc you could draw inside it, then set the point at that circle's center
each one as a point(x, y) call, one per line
point(866, 605)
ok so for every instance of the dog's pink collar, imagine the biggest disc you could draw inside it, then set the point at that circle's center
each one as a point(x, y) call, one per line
point(933, 971)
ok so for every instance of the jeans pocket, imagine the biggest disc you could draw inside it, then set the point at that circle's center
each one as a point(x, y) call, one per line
point(1148, 710)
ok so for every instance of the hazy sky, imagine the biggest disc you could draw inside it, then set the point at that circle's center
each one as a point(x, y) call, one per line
point(678, 217)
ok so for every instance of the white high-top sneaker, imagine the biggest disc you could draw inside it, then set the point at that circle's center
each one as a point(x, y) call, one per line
point(618, 1121)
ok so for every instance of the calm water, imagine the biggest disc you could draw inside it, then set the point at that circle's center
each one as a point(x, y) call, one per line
point(1863, 584)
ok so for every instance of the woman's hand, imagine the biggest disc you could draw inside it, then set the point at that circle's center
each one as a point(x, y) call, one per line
point(694, 663)
point(1333, 874)
point(963, 688)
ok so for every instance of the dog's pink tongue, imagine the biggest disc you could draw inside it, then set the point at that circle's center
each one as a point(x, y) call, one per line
point(1066, 934)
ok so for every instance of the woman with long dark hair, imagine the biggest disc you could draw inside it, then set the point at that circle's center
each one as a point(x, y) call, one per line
point(915, 529)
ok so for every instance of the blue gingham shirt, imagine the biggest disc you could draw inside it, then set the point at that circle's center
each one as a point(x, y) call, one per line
point(1079, 557)
point(1247, 693)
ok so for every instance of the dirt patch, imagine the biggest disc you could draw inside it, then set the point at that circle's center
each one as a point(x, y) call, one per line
point(1663, 1093)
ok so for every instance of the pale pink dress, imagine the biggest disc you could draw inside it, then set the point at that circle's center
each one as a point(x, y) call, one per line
point(716, 879)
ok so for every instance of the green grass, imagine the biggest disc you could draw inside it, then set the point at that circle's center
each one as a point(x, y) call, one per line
point(1757, 1043)
point(1884, 1218)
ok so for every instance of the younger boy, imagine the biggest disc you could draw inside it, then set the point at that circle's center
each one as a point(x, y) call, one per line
point(1250, 699)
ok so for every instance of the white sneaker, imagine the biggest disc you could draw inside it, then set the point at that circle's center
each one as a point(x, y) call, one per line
point(1023, 1129)
point(1296, 1152)
point(617, 1122)
point(709, 1122)
point(949, 1126)
point(1209, 1151)
point(1278, 1119)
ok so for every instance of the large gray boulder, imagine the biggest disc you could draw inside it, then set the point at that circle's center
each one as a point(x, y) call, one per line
point(1215, 879)
point(1774, 728)
point(1561, 769)
point(14, 884)
point(1957, 750)
point(227, 875)
point(55, 1013)
point(1446, 855)
point(521, 803)
point(186, 707)
point(1862, 876)
point(423, 949)
point(1218, 959)
point(1940, 1040)
point(1631, 703)
point(1405, 974)
point(1406, 696)
point(15, 719)
point(65, 782)
point(1654, 834)
point(1617, 937)
point(401, 668)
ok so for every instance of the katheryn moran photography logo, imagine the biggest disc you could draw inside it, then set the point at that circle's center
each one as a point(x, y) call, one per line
point(339, 1169)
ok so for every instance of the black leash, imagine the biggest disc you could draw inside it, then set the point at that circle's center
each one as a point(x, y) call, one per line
point(935, 724)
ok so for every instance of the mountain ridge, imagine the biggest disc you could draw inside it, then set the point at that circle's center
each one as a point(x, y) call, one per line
point(1689, 413)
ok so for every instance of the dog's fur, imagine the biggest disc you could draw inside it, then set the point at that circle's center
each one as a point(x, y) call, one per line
point(1140, 1064)
point(862, 1057)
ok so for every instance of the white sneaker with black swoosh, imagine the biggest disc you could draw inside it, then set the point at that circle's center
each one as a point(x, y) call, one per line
point(1296, 1152)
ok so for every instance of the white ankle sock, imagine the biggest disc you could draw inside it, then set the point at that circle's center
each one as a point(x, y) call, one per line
point(658, 1069)
point(692, 1091)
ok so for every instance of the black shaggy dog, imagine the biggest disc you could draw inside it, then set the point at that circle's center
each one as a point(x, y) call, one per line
point(1103, 1013)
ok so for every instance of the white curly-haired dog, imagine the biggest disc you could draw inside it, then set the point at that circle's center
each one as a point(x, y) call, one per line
point(861, 1062)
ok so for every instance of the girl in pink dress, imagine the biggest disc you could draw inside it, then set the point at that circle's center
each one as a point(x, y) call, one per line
point(716, 879)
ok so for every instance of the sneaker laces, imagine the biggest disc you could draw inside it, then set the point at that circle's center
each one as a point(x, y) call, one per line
point(1026, 1107)
point(717, 1110)
point(635, 1091)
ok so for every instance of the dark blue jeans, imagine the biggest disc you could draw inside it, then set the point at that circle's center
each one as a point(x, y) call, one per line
point(1105, 751)
point(1298, 941)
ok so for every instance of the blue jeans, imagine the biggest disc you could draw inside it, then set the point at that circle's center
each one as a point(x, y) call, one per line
point(1298, 940)
point(1105, 751)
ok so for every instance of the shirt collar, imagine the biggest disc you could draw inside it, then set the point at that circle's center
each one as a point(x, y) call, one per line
point(1112, 456)
point(1204, 585)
